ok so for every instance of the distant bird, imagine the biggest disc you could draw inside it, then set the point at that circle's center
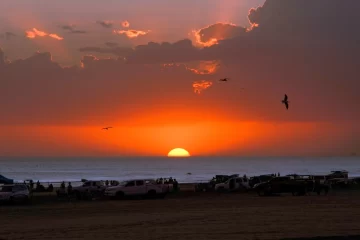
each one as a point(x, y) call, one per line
point(286, 102)
point(224, 79)
point(106, 128)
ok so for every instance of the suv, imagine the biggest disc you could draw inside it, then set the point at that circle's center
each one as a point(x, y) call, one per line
point(233, 184)
point(260, 179)
point(14, 193)
point(285, 184)
point(210, 186)
point(89, 187)
point(137, 187)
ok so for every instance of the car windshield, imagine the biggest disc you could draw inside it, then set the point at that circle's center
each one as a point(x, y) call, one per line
point(6, 189)
point(123, 183)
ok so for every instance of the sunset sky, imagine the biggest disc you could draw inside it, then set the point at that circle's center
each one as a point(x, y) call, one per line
point(150, 69)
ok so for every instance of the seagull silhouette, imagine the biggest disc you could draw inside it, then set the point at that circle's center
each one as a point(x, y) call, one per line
point(106, 128)
point(286, 102)
point(224, 79)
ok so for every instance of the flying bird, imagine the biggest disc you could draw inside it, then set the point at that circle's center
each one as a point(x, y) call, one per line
point(106, 128)
point(286, 102)
point(224, 79)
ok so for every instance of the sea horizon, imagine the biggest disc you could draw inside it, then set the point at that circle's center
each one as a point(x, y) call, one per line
point(185, 170)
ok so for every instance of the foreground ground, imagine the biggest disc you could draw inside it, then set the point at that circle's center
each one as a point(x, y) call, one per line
point(194, 216)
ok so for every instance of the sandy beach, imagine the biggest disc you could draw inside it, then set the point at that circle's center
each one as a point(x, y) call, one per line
point(187, 215)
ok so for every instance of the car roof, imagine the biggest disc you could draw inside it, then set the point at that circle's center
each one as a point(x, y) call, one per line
point(139, 179)
point(13, 185)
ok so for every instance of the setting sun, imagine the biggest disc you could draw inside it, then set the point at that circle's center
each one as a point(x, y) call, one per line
point(178, 152)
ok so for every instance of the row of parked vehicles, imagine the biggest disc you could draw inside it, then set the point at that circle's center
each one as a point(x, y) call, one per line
point(149, 188)
point(263, 185)
point(274, 184)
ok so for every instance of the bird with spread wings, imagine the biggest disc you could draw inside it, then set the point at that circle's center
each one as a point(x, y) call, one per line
point(285, 101)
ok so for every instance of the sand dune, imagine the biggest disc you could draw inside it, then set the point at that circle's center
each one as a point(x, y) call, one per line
point(193, 216)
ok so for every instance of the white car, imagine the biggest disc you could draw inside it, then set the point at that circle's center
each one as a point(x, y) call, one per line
point(14, 193)
point(233, 184)
point(137, 187)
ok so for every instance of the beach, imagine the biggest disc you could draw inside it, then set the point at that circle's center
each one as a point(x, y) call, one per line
point(186, 215)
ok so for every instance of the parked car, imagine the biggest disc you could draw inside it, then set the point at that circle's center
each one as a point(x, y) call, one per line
point(286, 184)
point(4, 180)
point(91, 188)
point(338, 179)
point(14, 193)
point(259, 179)
point(138, 187)
point(233, 184)
point(321, 184)
point(210, 186)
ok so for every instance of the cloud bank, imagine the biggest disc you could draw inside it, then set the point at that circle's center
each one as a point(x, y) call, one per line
point(105, 24)
point(72, 29)
point(294, 46)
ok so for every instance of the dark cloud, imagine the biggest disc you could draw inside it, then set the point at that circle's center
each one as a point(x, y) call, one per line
point(307, 49)
point(2, 58)
point(8, 35)
point(111, 44)
point(105, 24)
point(79, 31)
point(37, 90)
point(322, 19)
point(220, 31)
point(72, 29)
point(117, 51)
point(181, 51)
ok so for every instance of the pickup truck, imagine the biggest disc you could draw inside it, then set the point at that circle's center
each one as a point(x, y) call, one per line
point(285, 184)
point(138, 187)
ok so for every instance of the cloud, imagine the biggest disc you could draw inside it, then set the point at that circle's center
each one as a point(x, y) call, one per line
point(297, 47)
point(131, 33)
point(47, 93)
point(57, 37)
point(105, 24)
point(35, 32)
point(125, 24)
point(199, 86)
point(30, 34)
point(111, 44)
point(2, 58)
point(204, 67)
point(118, 51)
point(72, 29)
point(212, 34)
point(8, 35)
point(39, 33)
point(159, 53)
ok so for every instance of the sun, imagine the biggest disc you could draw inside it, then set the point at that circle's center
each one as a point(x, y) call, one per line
point(178, 152)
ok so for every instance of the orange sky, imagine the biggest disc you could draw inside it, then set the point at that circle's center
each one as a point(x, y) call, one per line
point(154, 78)
point(200, 139)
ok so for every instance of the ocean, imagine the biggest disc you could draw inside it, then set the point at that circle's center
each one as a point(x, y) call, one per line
point(185, 170)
